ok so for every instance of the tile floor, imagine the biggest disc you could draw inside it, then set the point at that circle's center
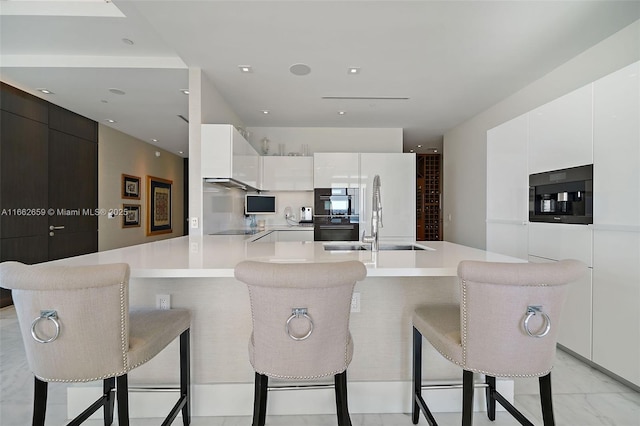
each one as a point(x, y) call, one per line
point(582, 397)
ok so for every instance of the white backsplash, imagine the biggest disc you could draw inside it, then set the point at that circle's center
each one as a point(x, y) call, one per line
point(223, 208)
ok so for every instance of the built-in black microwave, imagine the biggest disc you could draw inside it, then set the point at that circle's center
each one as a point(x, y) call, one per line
point(562, 196)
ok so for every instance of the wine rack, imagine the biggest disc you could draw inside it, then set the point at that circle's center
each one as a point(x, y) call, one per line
point(428, 197)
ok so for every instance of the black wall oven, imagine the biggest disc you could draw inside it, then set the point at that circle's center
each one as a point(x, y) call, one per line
point(562, 196)
point(336, 214)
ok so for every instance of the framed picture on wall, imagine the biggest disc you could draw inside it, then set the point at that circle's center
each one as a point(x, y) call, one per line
point(130, 187)
point(131, 215)
point(158, 205)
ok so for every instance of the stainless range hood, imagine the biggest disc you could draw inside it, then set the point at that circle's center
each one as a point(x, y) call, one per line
point(230, 183)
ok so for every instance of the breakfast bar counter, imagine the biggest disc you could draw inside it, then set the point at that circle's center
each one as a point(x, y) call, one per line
point(217, 255)
point(197, 273)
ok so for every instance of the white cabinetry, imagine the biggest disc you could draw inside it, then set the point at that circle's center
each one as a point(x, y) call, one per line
point(616, 218)
point(336, 170)
point(562, 132)
point(507, 183)
point(556, 241)
point(287, 173)
point(226, 154)
point(294, 235)
point(398, 193)
point(575, 323)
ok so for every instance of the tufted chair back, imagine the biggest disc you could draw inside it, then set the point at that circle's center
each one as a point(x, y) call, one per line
point(496, 300)
point(92, 305)
point(323, 291)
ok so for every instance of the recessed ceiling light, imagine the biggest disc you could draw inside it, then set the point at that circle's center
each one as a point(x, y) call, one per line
point(127, 41)
point(353, 70)
point(245, 68)
point(154, 140)
point(185, 91)
point(265, 111)
point(117, 91)
point(342, 112)
point(300, 69)
point(419, 146)
point(410, 150)
point(45, 91)
point(180, 152)
point(108, 120)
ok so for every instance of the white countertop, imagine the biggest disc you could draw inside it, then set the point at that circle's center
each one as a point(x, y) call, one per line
point(217, 255)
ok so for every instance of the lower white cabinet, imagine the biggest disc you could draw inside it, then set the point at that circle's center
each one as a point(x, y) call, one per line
point(575, 323)
point(558, 241)
point(616, 302)
point(294, 235)
point(550, 242)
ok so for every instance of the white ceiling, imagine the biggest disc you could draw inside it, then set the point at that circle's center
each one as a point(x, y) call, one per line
point(451, 59)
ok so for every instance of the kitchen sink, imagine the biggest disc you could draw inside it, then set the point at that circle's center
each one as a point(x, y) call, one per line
point(344, 247)
point(382, 247)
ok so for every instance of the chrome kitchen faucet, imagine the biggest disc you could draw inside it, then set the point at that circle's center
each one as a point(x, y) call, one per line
point(376, 216)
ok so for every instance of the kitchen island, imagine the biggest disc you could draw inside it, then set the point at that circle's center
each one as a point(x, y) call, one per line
point(197, 273)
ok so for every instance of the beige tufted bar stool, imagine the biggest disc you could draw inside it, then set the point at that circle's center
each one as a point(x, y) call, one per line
point(300, 318)
point(76, 327)
point(505, 326)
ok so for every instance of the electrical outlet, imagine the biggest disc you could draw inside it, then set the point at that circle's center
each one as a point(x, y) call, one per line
point(355, 302)
point(194, 222)
point(163, 301)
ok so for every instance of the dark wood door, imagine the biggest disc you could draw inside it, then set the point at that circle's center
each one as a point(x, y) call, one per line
point(23, 177)
point(73, 194)
point(48, 168)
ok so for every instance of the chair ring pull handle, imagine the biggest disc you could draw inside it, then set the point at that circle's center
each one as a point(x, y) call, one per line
point(297, 313)
point(534, 310)
point(48, 315)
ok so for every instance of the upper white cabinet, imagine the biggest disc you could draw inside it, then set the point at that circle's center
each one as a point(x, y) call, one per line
point(616, 148)
point(336, 170)
point(397, 192)
point(562, 132)
point(507, 177)
point(287, 173)
point(226, 154)
point(507, 183)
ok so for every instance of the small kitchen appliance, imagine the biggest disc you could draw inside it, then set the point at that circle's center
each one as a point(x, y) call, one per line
point(306, 214)
point(562, 196)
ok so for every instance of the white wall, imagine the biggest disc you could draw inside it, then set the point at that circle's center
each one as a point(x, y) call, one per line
point(119, 153)
point(328, 139)
point(206, 105)
point(465, 147)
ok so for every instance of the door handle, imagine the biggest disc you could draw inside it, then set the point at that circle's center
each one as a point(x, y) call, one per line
point(54, 228)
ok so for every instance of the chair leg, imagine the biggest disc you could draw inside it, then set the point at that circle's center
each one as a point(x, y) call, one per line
point(342, 406)
point(546, 400)
point(122, 394)
point(490, 397)
point(418, 402)
point(108, 390)
point(39, 401)
point(260, 399)
point(185, 376)
point(417, 375)
point(467, 398)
